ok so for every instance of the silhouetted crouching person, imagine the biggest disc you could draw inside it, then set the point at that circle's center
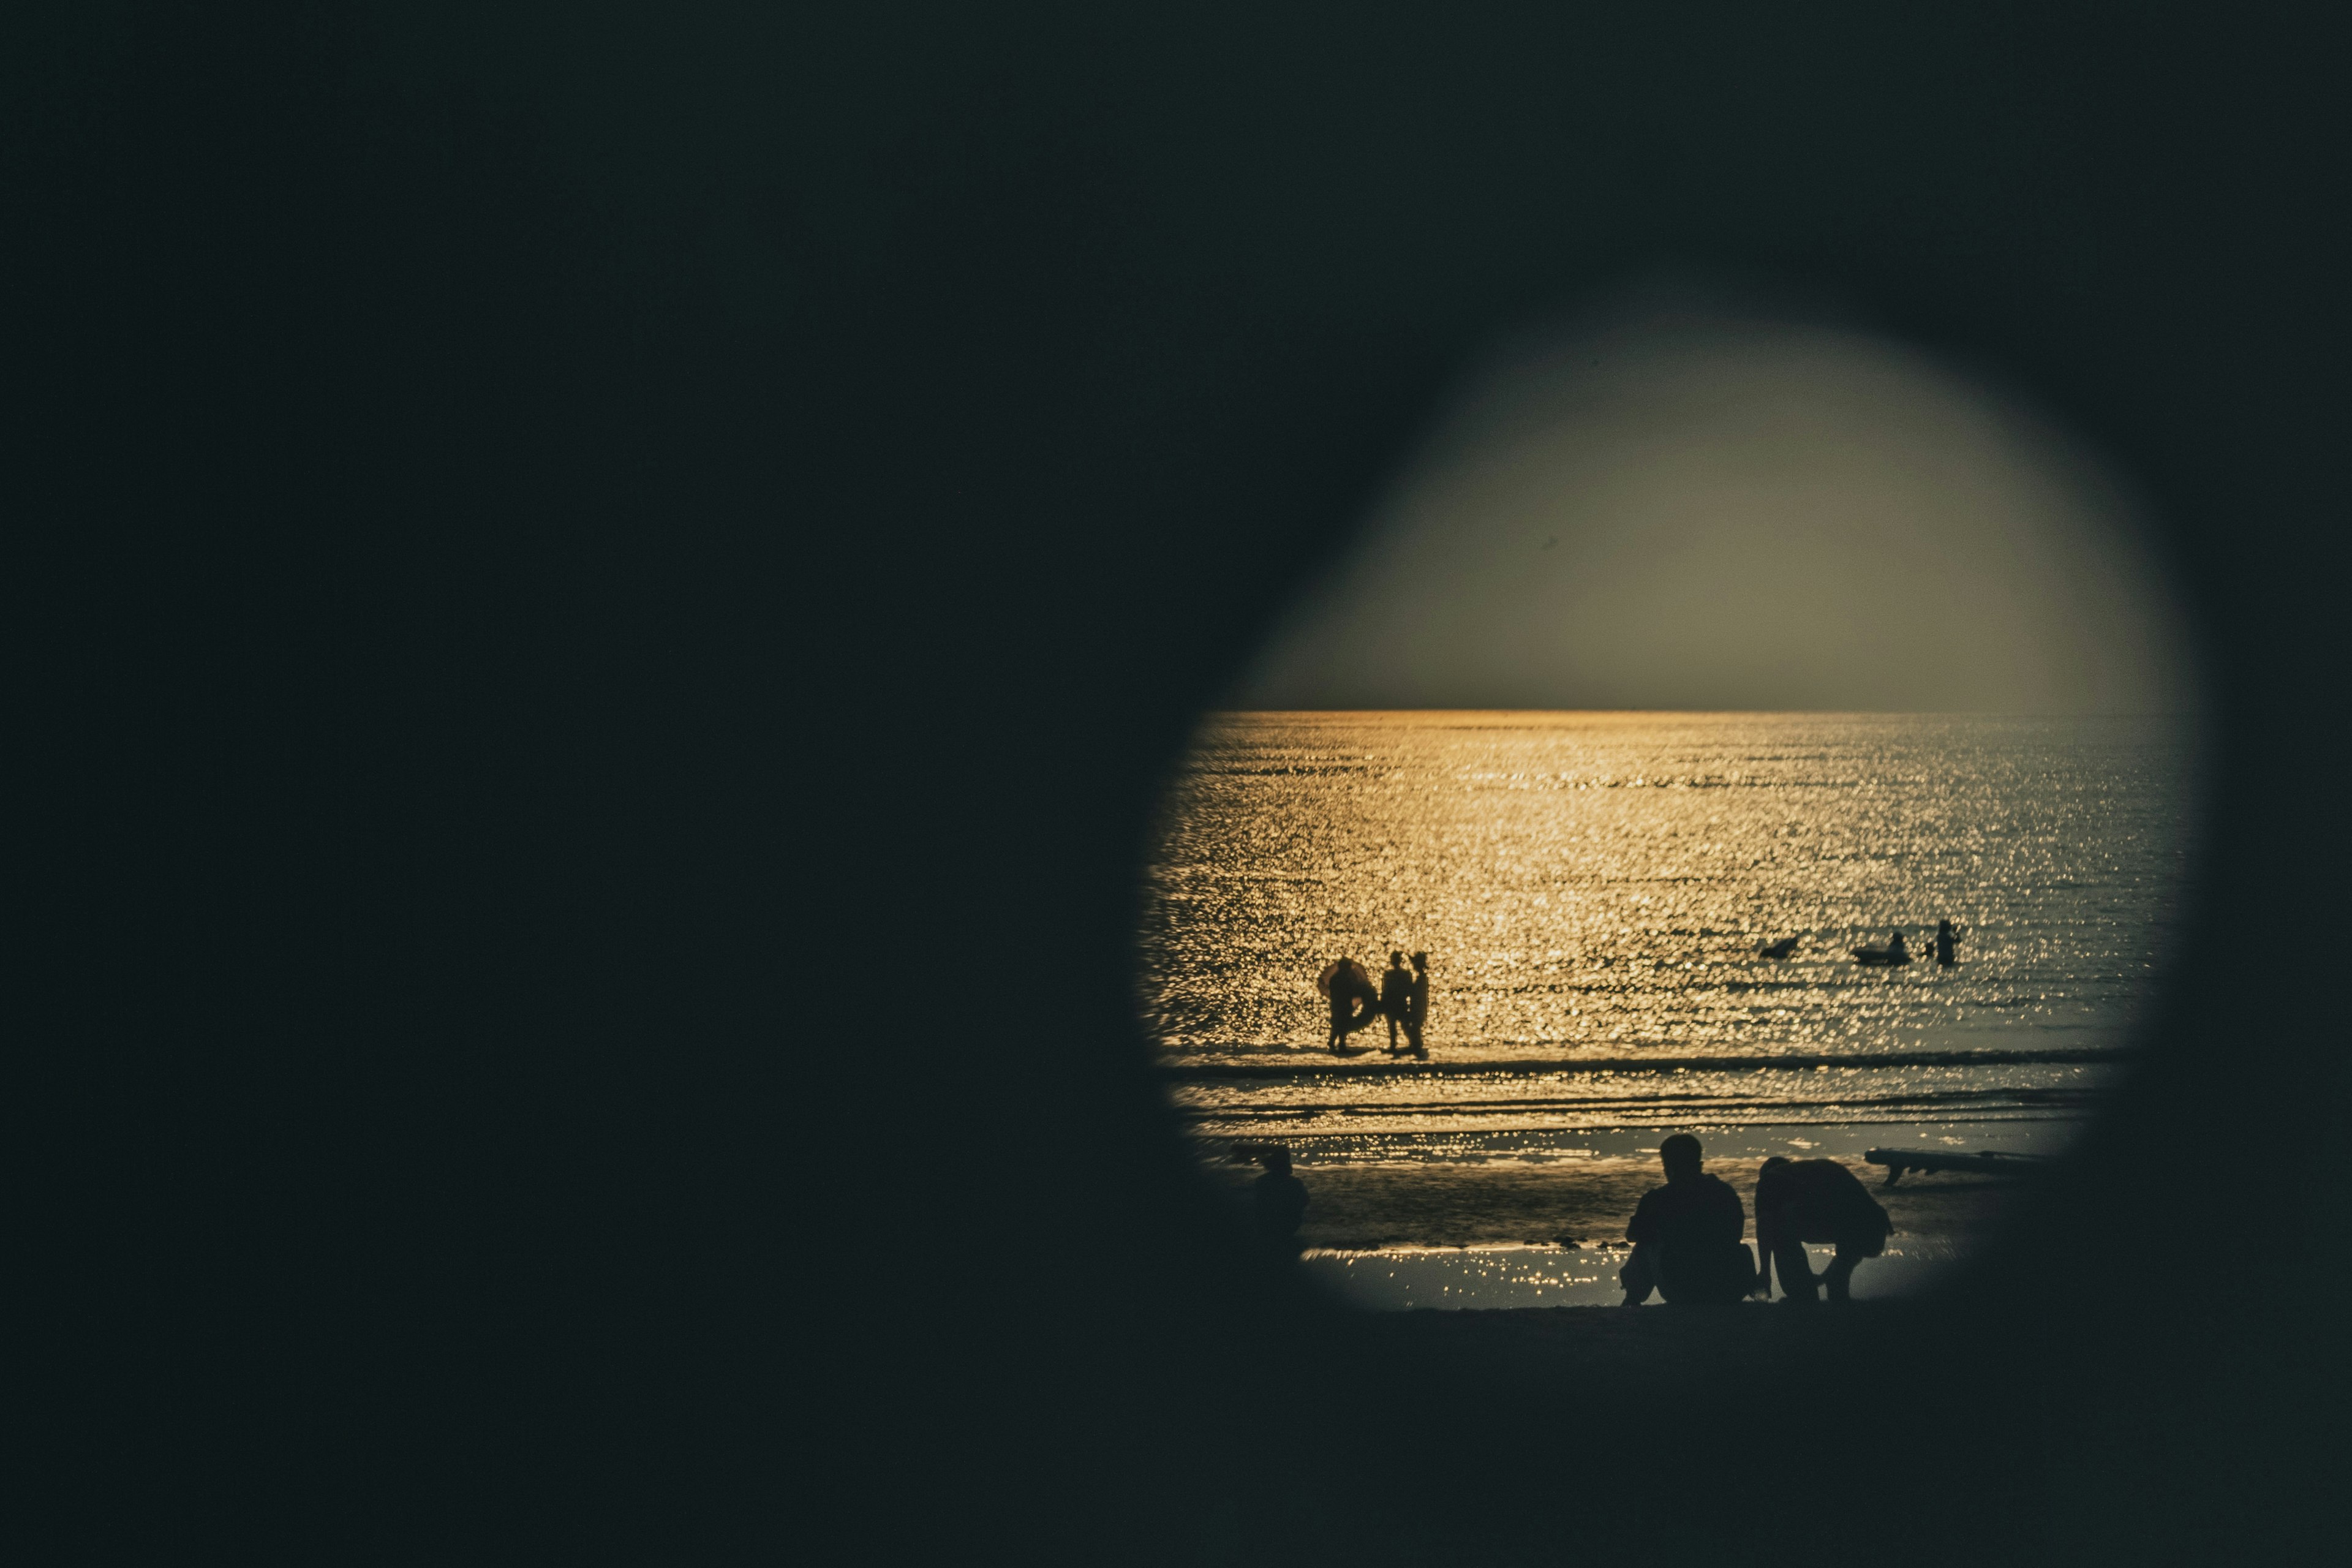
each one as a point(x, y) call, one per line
point(1686, 1235)
point(1277, 1205)
point(1820, 1201)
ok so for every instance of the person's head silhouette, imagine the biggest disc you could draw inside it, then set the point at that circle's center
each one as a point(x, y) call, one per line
point(1278, 1161)
point(1396, 959)
point(1421, 961)
point(1680, 1154)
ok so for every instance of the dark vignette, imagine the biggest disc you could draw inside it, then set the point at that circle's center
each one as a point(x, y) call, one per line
point(554, 549)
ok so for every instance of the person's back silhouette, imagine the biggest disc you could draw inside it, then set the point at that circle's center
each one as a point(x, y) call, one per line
point(1820, 1201)
point(1686, 1235)
point(1277, 1205)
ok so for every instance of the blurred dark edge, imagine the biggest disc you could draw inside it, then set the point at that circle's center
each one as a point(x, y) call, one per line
point(563, 563)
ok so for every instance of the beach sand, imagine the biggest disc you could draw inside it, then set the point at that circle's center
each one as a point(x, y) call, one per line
point(1702, 1346)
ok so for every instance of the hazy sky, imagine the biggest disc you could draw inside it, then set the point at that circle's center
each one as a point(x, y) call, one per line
point(1722, 514)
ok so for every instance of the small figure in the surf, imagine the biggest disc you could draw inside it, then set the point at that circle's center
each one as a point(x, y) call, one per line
point(1780, 948)
point(1820, 1201)
point(1396, 999)
point(1894, 952)
point(1355, 1002)
point(1277, 1204)
point(1416, 1010)
point(1944, 941)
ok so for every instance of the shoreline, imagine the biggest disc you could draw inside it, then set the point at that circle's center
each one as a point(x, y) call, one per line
point(1456, 1204)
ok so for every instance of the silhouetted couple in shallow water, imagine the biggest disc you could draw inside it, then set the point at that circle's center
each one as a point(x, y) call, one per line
point(1687, 1234)
point(1405, 1002)
point(1402, 998)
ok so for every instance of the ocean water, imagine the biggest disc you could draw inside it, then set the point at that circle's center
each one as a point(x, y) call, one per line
point(1593, 889)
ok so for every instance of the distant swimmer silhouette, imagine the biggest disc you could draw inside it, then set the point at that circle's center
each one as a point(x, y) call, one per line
point(1892, 954)
point(1277, 1204)
point(1944, 941)
point(1820, 1201)
point(1396, 999)
point(1780, 948)
point(1416, 1016)
point(1346, 984)
point(1686, 1235)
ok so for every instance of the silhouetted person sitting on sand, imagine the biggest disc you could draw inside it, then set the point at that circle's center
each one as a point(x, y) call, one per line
point(1686, 1235)
point(1396, 998)
point(1277, 1204)
point(1416, 1012)
point(1944, 939)
point(1820, 1201)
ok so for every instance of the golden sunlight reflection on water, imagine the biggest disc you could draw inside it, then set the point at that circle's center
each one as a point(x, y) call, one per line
point(1593, 890)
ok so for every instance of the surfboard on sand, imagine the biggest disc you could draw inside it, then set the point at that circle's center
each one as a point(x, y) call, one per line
point(1898, 1160)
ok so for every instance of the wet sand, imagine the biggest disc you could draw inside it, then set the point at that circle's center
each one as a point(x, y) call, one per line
point(1469, 1204)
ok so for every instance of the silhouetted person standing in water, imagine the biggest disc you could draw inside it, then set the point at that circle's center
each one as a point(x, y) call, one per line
point(1396, 998)
point(1944, 939)
point(1820, 1201)
point(1347, 990)
point(1416, 1011)
point(1686, 1235)
point(1277, 1205)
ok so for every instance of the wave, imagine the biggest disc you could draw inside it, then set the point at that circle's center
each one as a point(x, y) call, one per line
point(1952, 1100)
point(1329, 1066)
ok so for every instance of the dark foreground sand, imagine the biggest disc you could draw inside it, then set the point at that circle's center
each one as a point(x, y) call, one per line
point(1698, 1344)
point(1437, 1204)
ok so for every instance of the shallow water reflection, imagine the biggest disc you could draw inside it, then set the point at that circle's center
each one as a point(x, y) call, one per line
point(1491, 1277)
